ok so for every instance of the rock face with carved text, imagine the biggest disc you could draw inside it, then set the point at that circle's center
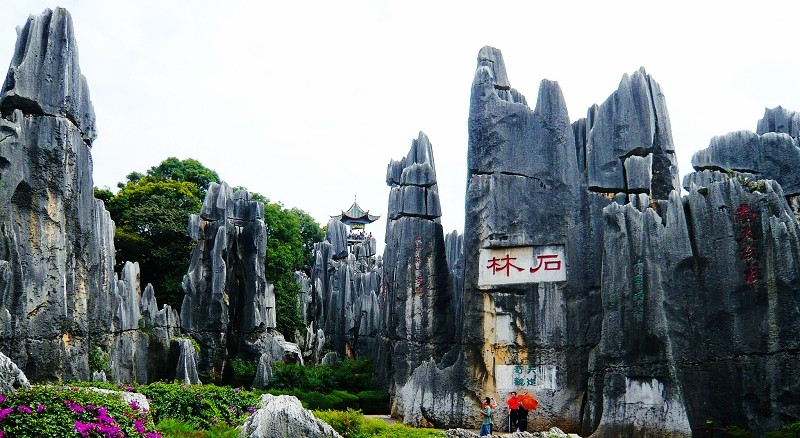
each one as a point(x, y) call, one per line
point(419, 321)
point(585, 278)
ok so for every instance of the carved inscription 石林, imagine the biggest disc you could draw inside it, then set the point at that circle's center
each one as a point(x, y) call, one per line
point(521, 264)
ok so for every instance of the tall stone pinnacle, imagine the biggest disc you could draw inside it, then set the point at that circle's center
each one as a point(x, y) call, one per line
point(44, 76)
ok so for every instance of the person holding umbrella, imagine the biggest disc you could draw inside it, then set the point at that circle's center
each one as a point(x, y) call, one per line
point(513, 404)
point(526, 402)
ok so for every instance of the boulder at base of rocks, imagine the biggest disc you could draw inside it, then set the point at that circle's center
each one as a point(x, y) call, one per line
point(284, 415)
point(11, 377)
point(128, 397)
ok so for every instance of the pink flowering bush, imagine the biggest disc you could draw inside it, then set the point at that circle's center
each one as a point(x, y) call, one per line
point(62, 411)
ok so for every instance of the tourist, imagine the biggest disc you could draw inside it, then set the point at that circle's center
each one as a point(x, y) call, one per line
point(522, 418)
point(486, 410)
point(512, 403)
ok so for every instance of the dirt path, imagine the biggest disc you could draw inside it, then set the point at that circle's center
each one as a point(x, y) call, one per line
point(390, 420)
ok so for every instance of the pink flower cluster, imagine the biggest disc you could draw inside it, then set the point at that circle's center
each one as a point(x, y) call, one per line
point(23, 409)
point(102, 424)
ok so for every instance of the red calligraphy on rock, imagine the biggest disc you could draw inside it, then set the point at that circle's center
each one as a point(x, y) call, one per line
point(549, 265)
point(496, 266)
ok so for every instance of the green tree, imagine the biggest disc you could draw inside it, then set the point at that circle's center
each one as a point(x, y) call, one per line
point(310, 233)
point(284, 256)
point(188, 170)
point(151, 212)
point(151, 218)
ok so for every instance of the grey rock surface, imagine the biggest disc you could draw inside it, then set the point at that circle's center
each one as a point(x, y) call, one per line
point(341, 295)
point(284, 416)
point(11, 377)
point(525, 189)
point(228, 306)
point(59, 295)
point(633, 121)
point(415, 192)
point(769, 155)
point(779, 120)
point(184, 358)
point(417, 320)
point(635, 376)
point(46, 48)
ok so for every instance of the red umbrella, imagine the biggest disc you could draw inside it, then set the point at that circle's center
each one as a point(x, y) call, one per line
point(528, 402)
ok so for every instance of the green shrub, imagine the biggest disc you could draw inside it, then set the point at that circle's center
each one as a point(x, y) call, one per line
point(348, 423)
point(789, 431)
point(98, 360)
point(57, 411)
point(202, 405)
point(401, 431)
point(244, 371)
point(353, 424)
point(350, 375)
point(335, 400)
point(738, 432)
point(171, 428)
point(373, 402)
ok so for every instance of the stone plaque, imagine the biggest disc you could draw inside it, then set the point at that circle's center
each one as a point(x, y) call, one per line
point(521, 264)
point(525, 377)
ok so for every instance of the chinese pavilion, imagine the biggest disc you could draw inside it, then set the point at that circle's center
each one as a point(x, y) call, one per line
point(356, 218)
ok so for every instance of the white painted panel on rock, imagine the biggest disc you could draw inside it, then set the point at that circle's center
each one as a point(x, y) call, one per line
point(521, 264)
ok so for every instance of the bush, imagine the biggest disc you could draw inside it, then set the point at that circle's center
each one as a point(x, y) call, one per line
point(57, 411)
point(353, 424)
point(201, 405)
point(373, 402)
point(401, 431)
point(244, 371)
point(350, 375)
point(98, 361)
point(170, 428)
point(348, 423)
point(789, 431)
point(738, 432)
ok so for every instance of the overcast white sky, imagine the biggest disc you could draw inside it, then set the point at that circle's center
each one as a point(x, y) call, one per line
point(306, 102)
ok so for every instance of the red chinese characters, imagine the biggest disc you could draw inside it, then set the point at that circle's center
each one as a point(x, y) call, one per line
point(744, 217)
point(504, 265)
point(549, 265)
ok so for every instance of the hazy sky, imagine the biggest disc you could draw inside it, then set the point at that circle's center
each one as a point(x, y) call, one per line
point(306, 102)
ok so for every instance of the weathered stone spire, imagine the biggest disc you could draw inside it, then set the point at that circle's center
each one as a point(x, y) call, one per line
point(45, 77)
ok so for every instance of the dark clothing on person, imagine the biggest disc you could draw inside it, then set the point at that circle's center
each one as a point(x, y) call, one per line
point(522, 419)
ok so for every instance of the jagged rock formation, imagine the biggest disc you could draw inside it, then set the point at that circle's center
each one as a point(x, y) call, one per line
point(284, 416)
point(626, 143)
point(11, 377)
point(769, 154)
point(635, 388)
point(779, 120)
point(141, 331)
point(184, 356)
point(59, 296)
point(518, 159)
point(341, 297)
point(657, 311)
point(228, 306)
point(418, 323)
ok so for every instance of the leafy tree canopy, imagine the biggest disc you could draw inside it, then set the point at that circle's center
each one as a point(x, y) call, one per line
point(151, 212)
